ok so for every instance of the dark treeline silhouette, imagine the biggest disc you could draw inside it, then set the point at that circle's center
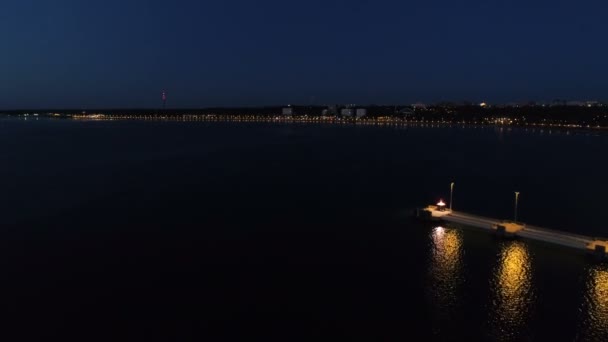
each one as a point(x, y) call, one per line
point(580, 115)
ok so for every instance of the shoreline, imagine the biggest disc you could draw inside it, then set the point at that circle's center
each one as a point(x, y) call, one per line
point(376, 121)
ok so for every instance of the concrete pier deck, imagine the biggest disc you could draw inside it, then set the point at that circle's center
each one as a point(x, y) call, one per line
point(509, 228)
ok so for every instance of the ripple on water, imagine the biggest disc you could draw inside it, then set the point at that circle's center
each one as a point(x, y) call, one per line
point(512, 291)
point(446, 275)
point(594, 308)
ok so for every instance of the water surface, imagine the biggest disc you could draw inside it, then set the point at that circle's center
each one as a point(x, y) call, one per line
point(176, 230)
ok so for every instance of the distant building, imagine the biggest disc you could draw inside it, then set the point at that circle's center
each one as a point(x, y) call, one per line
point(419, 106)
point(288, 111)
point(406, 111)
point(347, 112)
point(330, 111)
point(361, 112)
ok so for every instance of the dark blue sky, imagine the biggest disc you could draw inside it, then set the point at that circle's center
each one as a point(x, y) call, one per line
point(84, 54)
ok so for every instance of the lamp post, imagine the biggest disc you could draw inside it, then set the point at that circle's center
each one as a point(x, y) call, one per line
point(516, 202)
point(451, 194)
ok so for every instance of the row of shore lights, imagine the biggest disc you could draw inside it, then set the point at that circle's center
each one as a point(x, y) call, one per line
point(442, 204)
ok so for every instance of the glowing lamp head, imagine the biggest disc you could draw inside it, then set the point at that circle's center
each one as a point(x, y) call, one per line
point(441, 203)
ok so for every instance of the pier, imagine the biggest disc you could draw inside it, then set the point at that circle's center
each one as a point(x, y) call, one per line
point(507, 228)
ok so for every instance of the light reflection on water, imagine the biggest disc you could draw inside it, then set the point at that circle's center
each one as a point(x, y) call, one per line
point(512, 291)
point(516, 284)
point(445, 272)
point(447, 252)
point(595, 305)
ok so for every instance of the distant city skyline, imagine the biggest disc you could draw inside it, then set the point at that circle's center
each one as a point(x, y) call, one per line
point(122, 54)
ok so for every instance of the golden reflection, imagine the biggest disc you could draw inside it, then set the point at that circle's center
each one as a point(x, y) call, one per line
point(447, 245)
point(595, 307)
point(513, 289)
point(445, 270)
point(600, 296)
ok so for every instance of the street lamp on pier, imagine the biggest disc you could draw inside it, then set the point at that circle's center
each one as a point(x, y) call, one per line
point(516, 203)
point(451, 194)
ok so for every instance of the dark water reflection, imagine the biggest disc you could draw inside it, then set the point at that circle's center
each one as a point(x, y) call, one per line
point(129, 228)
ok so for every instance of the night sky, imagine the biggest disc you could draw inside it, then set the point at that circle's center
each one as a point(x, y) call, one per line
point(122, 53)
